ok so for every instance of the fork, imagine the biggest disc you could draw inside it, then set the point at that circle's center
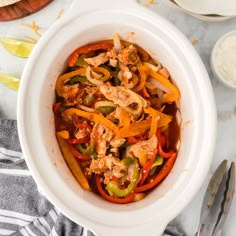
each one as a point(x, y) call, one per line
point(217, 201)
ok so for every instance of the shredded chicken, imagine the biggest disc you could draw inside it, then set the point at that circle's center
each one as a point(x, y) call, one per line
point(81, 133)
point(109, 165)
point(72, 94)
point(70, 91)
point(91, 91)
point(119, 95)
point(147, 146)
point(115, 142)
point(101, 136)
point(98, 60)
point(112, 53)
point(129, 55)
point(113, 62)
point(126, 98)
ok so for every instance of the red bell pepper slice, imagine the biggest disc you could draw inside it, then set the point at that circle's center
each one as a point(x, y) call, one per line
point(74, 55)
point(56, 107)
point(124, 200)
point(161, 143)
point(132, 140)
point(79, 155)
point(84, 125)
point(146, 168)
point(159, 177)
point(78, 141)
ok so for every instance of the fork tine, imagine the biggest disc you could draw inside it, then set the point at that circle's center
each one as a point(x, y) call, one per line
point(228, 196)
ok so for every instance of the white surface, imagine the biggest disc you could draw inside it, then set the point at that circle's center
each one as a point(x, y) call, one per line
point(219, 7)
point(223, 59)
point(206, 34)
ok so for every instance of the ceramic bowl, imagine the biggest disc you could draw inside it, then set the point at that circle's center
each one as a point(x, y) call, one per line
point(217, 49)
point(209, 17)
point(90, 21)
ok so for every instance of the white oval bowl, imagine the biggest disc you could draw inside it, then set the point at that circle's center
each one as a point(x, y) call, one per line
point(214, 68)
point(36, 121)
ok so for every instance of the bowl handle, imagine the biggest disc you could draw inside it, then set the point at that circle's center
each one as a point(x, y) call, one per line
point(81, 6)
point(154, 229)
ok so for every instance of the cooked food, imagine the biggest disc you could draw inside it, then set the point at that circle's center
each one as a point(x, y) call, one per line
point(115, 116)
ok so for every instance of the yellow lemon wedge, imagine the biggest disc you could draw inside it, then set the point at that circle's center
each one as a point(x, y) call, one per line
point(9, 81)
point(17, 47)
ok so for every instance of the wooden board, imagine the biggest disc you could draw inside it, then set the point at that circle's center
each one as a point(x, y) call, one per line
point(21, 9)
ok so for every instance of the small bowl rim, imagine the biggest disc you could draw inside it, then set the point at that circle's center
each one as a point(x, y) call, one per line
point(217, 75)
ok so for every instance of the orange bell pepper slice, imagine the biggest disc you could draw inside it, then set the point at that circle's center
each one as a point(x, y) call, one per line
point(72, 163)
point(86, 49)
point(63, 134)
point(124, 118)
point(168, 97)
point(164, 119)
point(143, 71)
point(134, 129)
point(92, 117)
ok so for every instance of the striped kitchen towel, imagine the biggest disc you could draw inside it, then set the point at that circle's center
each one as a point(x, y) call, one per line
point(23, 209)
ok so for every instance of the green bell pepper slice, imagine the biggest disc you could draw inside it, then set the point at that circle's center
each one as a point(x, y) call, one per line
point(112, 186)
point(88, 151)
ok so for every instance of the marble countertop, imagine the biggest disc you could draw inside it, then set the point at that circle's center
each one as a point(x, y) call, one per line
point(206, 34)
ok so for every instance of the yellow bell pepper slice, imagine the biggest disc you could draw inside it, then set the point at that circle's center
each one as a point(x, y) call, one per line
point(164, 119)
point(105, 72)
point(92, 117)
point(72, 163)
point(171, 97)
point(63, 134)
point(134, 129)
point(82, 71)
point(65, 77)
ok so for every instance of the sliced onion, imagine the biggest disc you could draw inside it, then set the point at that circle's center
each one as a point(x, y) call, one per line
point(160, 86)
point(104, 104)
point(151, 88)
point(149, 85)
point(151, 66)
point(117, 43)
point(88, 109)
point(140, 104)
point(160, 94)
point(90, 79)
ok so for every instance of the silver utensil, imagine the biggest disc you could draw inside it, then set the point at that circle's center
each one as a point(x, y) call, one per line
point(217, 201)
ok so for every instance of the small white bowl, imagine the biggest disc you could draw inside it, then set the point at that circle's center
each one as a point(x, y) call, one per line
point(215, 68)
point(209, 18)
